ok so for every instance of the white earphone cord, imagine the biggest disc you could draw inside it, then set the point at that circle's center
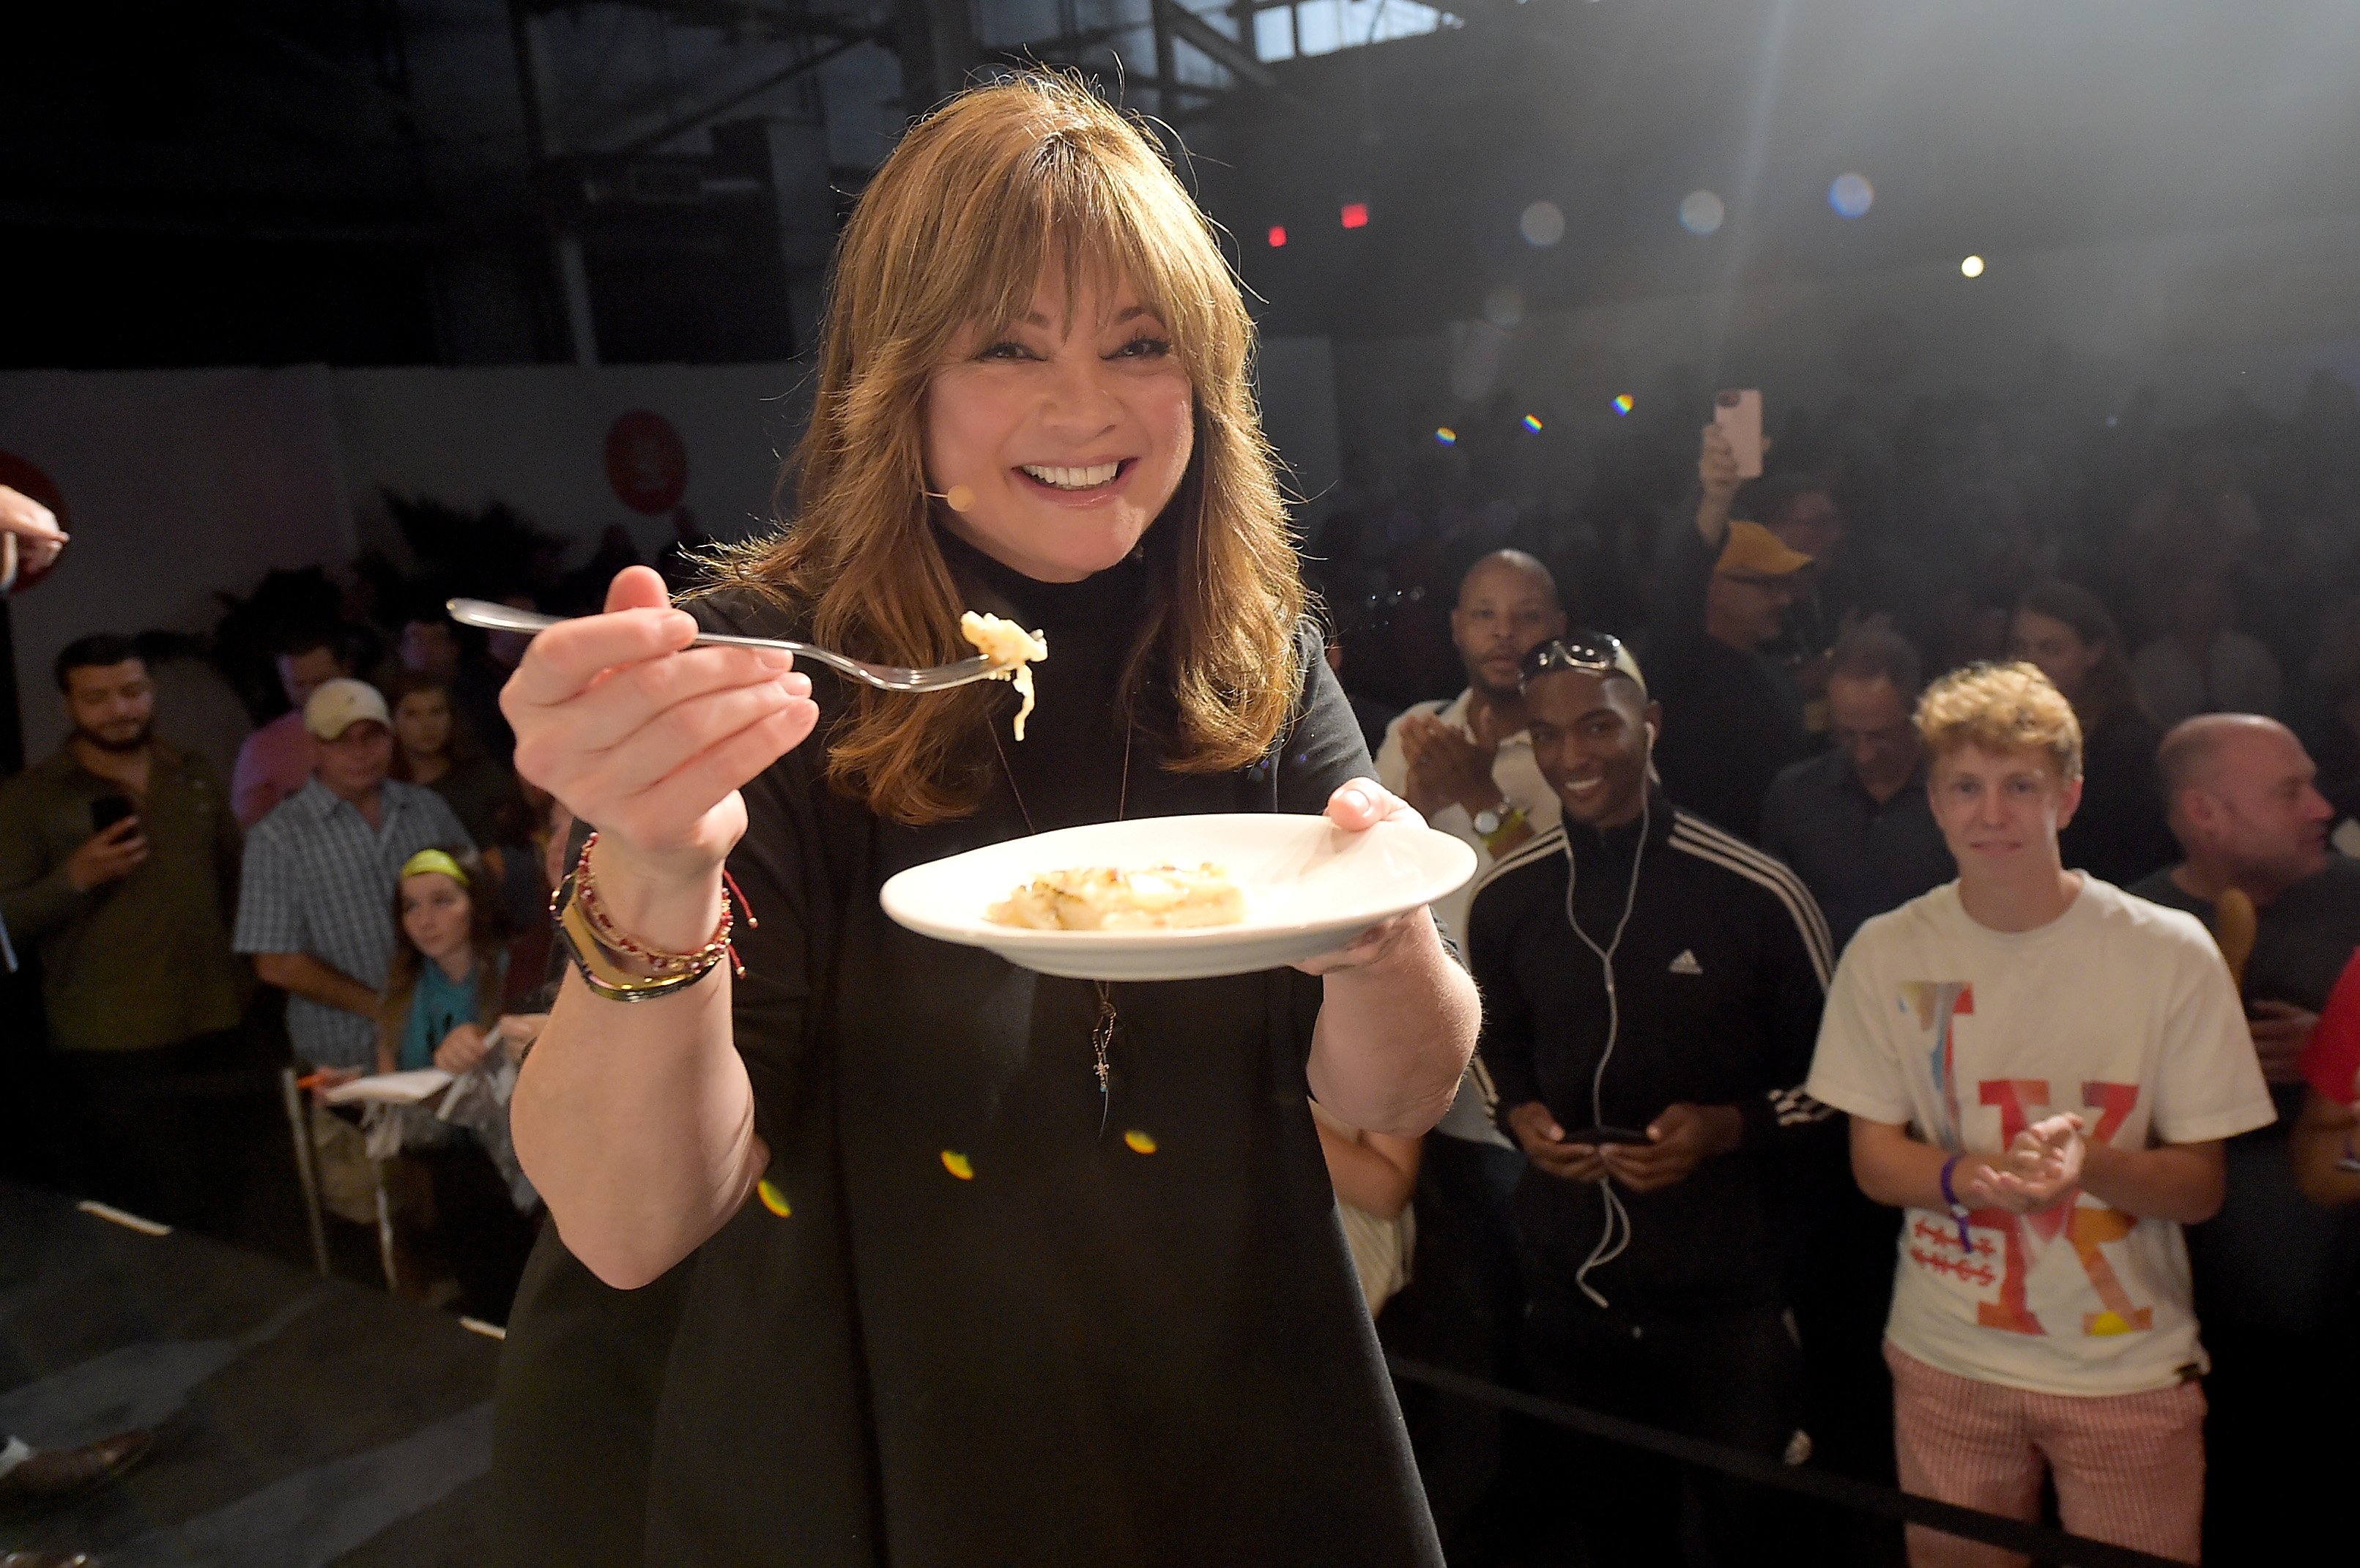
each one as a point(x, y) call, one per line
point(1616, 1237)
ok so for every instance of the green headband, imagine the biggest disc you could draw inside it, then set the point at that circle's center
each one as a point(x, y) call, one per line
point(437, 860)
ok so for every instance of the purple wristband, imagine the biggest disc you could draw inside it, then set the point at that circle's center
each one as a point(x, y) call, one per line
point(1958, 1209)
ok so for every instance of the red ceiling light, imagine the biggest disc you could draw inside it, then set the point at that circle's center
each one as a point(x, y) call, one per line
point(1356, 215)
point(1278, 236)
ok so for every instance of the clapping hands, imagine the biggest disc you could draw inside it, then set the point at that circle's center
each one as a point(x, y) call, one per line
point(1446, 767)
point(2041, 1168)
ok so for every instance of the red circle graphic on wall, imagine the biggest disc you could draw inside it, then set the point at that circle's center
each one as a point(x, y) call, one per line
point(26, 477)
point(646, 462)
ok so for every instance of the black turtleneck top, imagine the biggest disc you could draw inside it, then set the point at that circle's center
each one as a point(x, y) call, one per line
point(984, 1332)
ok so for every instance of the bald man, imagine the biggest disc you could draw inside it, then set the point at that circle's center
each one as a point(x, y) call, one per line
point(2274, 1273)
point(1467, 764)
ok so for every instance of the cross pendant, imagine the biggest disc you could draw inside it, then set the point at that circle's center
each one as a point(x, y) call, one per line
point(1101, 1040)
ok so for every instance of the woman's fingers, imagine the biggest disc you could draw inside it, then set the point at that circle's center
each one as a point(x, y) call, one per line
point(705, 781)
point(1359, 804)
point(628, 701)
point(563, 661)
point(638, 588)
point(619, 717)
point(673, 736)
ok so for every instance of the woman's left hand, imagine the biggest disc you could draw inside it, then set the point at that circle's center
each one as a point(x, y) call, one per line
point(461, 1050)
point(1357, 806)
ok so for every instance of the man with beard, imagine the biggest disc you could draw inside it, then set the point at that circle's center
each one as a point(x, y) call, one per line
point(118, 864)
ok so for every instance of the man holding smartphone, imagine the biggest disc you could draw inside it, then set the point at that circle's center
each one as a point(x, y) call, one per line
point(1651, 991)
point(118, 865)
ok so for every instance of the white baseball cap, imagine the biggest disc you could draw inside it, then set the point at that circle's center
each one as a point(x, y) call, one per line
point(341, 703)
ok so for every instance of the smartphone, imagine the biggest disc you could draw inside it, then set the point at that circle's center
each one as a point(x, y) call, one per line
point(1738, 415)
point(1596, 1136)
point(109, 810)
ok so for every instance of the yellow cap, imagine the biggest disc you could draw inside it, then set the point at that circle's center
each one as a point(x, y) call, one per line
point(1756, 552)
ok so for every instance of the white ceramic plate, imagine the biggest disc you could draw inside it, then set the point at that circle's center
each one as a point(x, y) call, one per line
point(1309, 889)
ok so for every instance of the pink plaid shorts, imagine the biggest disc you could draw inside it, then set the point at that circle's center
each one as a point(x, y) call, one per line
point(2129, 1467)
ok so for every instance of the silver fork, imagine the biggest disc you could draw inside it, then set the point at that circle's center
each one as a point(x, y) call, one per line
point(884, 677)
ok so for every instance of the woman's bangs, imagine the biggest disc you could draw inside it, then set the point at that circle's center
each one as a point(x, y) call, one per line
point(1072, 214)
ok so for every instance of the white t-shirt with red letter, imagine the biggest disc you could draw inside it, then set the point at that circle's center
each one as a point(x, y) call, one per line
point(2118, 1009)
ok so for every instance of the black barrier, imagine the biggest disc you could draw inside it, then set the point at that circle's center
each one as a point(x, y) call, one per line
point(2037, 1541)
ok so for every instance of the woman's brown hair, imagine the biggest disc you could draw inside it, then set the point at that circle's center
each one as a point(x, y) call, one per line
point(1002, 186)
point(2111, 688)
point(458, 745)
point(488, 934)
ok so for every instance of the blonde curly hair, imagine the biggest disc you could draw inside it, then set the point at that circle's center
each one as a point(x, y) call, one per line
point(2001, 708)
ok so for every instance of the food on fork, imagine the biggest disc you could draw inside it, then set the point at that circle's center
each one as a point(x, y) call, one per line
point(1012, 651)
point(1099, 898)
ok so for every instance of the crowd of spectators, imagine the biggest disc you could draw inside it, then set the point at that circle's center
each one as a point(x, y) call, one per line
point(2188, 595)
point(203, 888)
point(1683, 719)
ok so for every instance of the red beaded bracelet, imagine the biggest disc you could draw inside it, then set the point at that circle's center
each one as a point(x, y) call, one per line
point(664, 965)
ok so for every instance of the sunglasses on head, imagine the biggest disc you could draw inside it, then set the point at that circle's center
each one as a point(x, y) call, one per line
point(1591, 653)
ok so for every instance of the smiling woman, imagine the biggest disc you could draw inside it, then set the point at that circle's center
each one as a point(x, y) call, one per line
point(1028, 307)
point(863, 1256)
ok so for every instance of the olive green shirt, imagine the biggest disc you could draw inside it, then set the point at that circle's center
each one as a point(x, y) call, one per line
point(143, 961)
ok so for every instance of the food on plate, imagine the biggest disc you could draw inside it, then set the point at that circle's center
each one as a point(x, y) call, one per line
point(1099, 898)
point(1013, 649)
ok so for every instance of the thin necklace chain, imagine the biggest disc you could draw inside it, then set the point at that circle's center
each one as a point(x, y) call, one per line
point(1101, 1032)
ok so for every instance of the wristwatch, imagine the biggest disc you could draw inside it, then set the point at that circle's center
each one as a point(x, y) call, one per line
point(1491, 822)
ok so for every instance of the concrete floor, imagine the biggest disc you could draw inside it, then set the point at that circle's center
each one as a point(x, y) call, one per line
point(302, 1421)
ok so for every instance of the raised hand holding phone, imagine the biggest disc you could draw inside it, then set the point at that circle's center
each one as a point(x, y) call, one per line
point(1738, 415)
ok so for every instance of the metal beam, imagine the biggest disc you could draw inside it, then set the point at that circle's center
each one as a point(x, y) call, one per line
point(729, 101)
point(1066, 43)
point(332, 71)
point(936, 40)
point(1216, 45)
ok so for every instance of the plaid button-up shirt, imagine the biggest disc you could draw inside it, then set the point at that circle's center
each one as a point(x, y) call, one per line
point(319, 880)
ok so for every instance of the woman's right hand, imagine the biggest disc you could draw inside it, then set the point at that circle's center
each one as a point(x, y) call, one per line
point(650, 740)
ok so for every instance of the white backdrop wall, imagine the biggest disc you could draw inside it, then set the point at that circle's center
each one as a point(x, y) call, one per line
point(534, 436)
point(180, 483)
point(185, 484)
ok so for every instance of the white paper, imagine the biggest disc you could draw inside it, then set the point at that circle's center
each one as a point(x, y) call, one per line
point(392, 1088)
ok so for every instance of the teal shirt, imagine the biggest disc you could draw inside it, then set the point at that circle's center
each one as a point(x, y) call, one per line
point(439, 1006)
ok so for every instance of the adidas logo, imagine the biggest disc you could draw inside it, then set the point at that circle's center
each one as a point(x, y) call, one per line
point(1685, 964)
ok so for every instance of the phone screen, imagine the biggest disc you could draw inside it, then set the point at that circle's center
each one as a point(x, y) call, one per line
point(1596, 1136)
point(1738, 415)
